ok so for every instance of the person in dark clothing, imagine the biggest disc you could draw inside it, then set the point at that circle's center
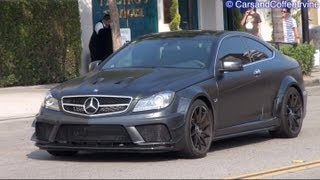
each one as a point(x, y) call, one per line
point(101, 45)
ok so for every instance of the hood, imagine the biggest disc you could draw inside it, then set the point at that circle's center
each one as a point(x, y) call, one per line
point(131, 82)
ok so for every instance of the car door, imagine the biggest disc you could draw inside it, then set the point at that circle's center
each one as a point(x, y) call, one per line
point(239, 100)
point(262, 59)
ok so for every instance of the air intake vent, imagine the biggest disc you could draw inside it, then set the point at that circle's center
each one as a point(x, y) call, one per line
point(154, 133)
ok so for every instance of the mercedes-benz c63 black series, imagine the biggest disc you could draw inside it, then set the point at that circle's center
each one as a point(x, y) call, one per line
point(175, 91)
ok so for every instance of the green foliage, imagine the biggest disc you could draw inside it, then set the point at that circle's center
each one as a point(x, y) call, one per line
point(297, 16)
point(175, 16)
point(303, 53)
point(40, 42)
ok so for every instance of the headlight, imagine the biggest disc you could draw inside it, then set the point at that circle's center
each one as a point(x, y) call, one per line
point(156, 101)
point(50, 102)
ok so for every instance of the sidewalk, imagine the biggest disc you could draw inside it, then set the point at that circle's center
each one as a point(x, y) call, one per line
point(21, 101)
point(25, 101)
point(314, 78)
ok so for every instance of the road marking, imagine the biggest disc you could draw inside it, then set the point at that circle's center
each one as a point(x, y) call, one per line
point(277, 171)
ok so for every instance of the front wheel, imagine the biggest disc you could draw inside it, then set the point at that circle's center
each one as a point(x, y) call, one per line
point(290, 115)
point(198, 131)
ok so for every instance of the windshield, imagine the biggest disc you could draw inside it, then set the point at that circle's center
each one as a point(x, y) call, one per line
point(166, 52)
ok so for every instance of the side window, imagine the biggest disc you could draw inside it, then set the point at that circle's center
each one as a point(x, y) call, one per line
point(257, 51)
point(233, 48)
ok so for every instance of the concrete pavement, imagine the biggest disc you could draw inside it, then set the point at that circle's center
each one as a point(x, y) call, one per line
point(25, 101)
point(314, 78)
point(22, 101)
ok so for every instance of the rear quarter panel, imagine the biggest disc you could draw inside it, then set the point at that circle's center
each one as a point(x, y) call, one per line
point(283, 73)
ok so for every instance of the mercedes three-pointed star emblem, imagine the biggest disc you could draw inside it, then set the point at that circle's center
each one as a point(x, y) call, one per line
point(91, 105)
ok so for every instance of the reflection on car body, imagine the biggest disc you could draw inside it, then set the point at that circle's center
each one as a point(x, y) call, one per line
point(175, 91)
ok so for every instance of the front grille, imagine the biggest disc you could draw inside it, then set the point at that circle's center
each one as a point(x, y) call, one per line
point(95, 105)
point(93, 134)
point(154, 133)
point(102, 99)
point(43, 131)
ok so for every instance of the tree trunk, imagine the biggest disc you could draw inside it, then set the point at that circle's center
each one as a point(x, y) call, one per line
point(114, 14)
point(277, 24)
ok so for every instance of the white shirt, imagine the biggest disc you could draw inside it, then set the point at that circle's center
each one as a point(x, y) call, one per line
point(288, 25)
point(98, 26)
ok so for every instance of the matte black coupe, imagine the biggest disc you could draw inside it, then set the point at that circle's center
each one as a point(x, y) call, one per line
point(175, 91)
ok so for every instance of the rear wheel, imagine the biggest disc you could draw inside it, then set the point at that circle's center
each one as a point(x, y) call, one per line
point(198, 131)
point(62, 153)
point(291, 115)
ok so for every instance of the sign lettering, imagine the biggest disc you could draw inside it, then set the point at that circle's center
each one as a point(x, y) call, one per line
point(141, 16)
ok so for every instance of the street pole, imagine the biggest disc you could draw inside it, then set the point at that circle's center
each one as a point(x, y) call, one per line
point(305, 22)
point(127, 16)
point(190, 14)
point(230, 19)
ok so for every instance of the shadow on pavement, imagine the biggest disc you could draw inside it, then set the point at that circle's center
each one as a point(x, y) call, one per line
point(148, 157)
point(105, 157)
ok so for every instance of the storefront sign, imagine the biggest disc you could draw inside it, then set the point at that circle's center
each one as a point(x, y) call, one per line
point(141, 16)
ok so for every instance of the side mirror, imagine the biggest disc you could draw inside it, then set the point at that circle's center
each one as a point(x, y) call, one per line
point(231, 65)
point(93, 65)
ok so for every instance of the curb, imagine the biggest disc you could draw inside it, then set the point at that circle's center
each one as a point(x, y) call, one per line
point(17, 117)
point(313, 79)
point(44, 86)
point(312, 82)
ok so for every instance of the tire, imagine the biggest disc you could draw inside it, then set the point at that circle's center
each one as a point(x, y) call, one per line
point(290, 115)
point(62, 153)
point(197, 131)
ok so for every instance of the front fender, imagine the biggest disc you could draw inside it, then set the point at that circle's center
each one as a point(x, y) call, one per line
point(195, 92)
point(286, 83)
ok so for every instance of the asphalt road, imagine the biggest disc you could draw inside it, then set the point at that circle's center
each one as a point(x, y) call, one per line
point(227, 158)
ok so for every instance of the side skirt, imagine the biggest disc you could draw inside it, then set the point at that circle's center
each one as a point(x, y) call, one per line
point(245, 129)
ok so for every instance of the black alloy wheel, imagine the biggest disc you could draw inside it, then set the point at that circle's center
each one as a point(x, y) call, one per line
point(291, 115)
point(198, 130)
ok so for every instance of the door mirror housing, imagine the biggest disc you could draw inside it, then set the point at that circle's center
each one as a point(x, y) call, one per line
point(93, 65)
point(231, 65)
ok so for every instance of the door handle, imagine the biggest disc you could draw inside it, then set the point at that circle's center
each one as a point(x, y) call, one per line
point(257, 73)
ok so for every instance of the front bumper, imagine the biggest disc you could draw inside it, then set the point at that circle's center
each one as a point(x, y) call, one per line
point(154, 132)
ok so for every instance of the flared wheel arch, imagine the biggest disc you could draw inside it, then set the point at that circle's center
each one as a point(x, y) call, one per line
point(285, 85)
point(291, 115)
point(209, 105)
point(279, 101)
point(197, 137)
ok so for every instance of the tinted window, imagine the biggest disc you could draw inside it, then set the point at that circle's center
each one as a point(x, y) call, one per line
point(233, 48)
point(257, 51)
point(164, 52)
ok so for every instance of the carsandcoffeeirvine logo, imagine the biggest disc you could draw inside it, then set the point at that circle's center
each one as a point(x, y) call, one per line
point(271, 4)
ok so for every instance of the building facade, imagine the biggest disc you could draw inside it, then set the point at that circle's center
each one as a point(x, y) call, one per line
point(149, 16)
